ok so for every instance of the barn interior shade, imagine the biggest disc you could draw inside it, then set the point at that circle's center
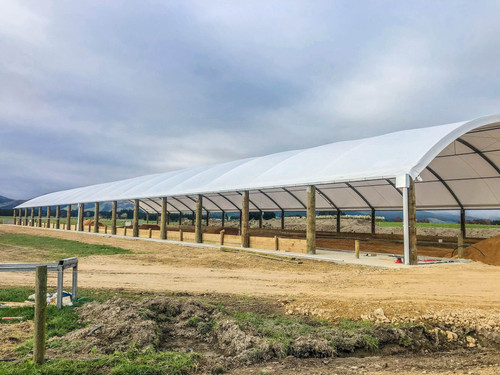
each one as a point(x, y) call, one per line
point(455, 165)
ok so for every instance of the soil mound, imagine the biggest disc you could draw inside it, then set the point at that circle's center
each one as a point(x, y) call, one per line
point(227, 340)
point(91, 222)
point(486, 251)
point(149, 226)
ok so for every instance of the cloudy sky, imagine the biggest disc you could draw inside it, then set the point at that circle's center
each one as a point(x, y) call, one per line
point(94, 91)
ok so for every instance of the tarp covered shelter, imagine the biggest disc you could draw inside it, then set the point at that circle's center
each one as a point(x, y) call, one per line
point(455, 166)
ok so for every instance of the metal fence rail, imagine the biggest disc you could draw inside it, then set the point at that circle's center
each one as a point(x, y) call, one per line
point(59, 267)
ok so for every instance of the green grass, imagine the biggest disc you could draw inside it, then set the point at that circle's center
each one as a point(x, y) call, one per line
point(436, 225)
point(58, 248)
point(59, 321)
point(132, 362)
point(4, 217)
point(278, 328)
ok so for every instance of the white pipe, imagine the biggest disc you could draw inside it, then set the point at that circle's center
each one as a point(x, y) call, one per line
point(406, 227)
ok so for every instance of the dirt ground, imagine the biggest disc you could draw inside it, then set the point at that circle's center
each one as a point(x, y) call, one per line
point(321, 289)
point(459, 294)
point(478, 363)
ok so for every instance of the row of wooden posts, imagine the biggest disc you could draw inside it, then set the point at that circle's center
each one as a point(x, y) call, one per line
point(244, 218)
point(244, 230)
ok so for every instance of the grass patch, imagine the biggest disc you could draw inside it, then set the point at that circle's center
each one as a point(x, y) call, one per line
point(59, 321)
point(280, 329)
point(435, 225)
point(118, 363)
point(59, 248)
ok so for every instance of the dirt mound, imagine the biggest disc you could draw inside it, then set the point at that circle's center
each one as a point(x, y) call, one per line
point(227, 340)
point(149, 226)
point(86, 223)
point(486, 251)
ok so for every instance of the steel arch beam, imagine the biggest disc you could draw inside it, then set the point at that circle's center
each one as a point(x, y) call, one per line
point(249, 200)
point(476, 150)
point(450, 190)
point(297, 199)
point(211, 201)
point(230, 201)
point(194, 200)
point(394, 186)
point(179, 201)
point(360, 195)
point(271, 199)
point(325, 197)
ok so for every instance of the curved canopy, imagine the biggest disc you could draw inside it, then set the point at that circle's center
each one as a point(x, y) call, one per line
point(455, 165)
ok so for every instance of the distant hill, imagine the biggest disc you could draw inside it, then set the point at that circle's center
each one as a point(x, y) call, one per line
point(7, 203)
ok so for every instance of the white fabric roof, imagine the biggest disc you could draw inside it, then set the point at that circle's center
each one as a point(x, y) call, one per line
point(458, 165)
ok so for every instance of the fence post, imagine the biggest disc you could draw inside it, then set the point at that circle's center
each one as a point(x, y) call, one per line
point(222, 236)
point(74, 285)
point(356, 248)
point(460, 243)
point(40, 314)
point(60, 279)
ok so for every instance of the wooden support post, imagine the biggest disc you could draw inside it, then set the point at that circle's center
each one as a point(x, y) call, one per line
point(32, 222)
point(223, 217)
point(356, 248)
point(282, 219)
point(338, 221)
point(276, 243)
point(460, 243)
point(105, 229)
point(81, 212)
point(135, 226)
point(39, 217)
point(208, 219)
point(40, 314)
point(68, 217)
point(168, 218)
point(14, 216)
point(150, 232)
point(58, 217)
point(114, 208)
point(48, 216)
point(192, 218)
point(26, 217)
point(90, 227)
point(147, 217)
point(260, 219)
point(96, 217)
point(181, 235)
point(311, 220)
point(125, 231)
point(245, 218)
point(163, 225)
point(462, 223)
point(199, 212)
point(373, 221)
point(221, 233)
point(180, 219)
point(412, 221)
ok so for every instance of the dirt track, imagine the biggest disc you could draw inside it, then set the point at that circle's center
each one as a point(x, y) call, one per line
point(313, 288)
